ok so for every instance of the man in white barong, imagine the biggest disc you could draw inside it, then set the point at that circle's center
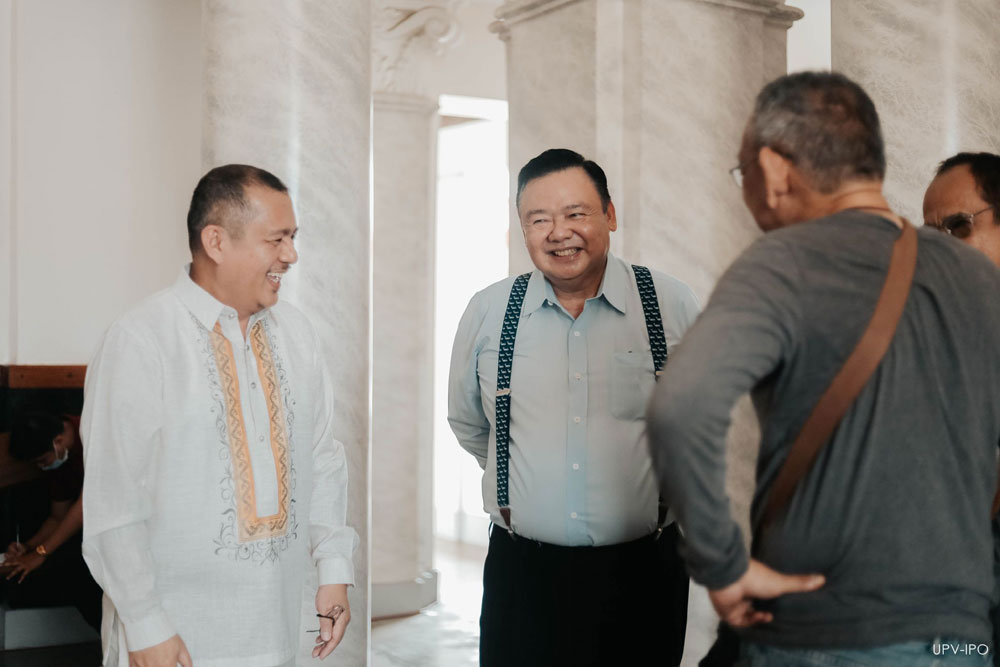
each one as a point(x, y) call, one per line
point(213, 476)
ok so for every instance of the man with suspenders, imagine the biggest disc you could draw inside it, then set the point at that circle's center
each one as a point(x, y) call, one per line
point(550, 376)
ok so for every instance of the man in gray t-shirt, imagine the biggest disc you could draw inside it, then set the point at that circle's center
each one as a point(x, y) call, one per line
point(885, 545)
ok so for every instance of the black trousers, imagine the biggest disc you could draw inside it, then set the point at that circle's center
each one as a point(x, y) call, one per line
point(624, 604)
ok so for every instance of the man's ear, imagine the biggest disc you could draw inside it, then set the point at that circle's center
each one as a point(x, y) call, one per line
point(213, 238)
point(612, 219)
point(776, 169)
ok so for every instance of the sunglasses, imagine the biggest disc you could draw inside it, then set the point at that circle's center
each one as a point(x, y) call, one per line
point(958, 225)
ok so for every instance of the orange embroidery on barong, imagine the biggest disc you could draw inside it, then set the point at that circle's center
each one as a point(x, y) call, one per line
point(276, 417)
point(251, 526)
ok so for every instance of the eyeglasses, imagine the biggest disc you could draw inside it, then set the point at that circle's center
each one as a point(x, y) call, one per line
point(333, 616)
point(958, 225)
point(737, 173)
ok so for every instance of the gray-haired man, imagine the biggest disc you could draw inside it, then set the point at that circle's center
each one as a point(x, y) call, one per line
point(888, 534)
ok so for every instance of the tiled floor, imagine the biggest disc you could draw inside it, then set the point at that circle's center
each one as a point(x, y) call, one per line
point(446, 634)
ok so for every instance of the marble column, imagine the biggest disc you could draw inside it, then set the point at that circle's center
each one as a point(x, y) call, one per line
point(658, 94)
point(408, 35)
point(931, 66)
point(287, 86)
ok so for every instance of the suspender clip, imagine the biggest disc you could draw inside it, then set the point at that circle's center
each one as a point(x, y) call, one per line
point(505, 513)
point(503, 392)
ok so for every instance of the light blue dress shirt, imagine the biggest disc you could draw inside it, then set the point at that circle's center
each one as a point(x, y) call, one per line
point(580, 471)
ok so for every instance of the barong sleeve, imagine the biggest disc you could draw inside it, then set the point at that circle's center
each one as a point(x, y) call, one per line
point(333, 541)
point(121, 431)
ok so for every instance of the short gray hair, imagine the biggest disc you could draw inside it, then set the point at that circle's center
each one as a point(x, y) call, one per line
point(825, 123)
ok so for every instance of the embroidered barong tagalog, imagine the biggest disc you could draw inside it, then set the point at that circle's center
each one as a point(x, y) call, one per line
point(252, 527)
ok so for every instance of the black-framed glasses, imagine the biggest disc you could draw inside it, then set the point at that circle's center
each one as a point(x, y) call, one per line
point(333, 616)
point(958, 225)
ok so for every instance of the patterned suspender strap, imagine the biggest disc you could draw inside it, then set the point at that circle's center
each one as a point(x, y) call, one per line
point(651, 310)
point(505, 360)
point(657, 343)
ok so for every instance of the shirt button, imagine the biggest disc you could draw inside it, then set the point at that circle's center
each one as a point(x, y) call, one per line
point(572, 515)
point(261, 438)
point(576, 466)
point(231, 316)
point(576, 333)
point(578, 376)
point(253, 385)
point(576, 420)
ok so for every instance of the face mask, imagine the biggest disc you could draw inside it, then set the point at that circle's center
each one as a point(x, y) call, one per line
point(58, 462)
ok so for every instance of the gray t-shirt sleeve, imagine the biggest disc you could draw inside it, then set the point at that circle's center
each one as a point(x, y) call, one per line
point(741, 337)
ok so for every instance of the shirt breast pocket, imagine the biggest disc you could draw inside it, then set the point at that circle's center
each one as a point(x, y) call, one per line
point(632, 380)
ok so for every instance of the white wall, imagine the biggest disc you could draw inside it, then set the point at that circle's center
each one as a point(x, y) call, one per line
point(475, 66)
point(809, 37)
point(6, 249)
point(472, 176)
point(107, 133)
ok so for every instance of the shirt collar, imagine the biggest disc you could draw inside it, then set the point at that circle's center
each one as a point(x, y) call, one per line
point(205, 307)
point(614, 288)
point(616, 285)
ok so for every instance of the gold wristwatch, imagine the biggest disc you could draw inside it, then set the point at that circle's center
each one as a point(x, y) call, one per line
point(41, 550)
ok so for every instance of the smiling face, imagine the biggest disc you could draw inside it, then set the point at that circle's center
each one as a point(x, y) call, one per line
point(252, 259)
point(566, 230)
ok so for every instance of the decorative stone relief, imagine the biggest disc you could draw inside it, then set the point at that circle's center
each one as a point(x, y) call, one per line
point(515, 11)
point(405, 34)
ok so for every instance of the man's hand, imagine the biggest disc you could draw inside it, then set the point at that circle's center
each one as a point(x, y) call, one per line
point(734, 603)
point(328, 598)
point(165, 654)
point(25, 565)
point(14, 550)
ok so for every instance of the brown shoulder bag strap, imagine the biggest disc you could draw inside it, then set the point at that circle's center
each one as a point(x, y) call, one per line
point(852, 377)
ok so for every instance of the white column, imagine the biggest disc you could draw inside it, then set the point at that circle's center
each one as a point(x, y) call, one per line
point(407, 34)
point(932, 67)
point(657, 93)
point(288, 88)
